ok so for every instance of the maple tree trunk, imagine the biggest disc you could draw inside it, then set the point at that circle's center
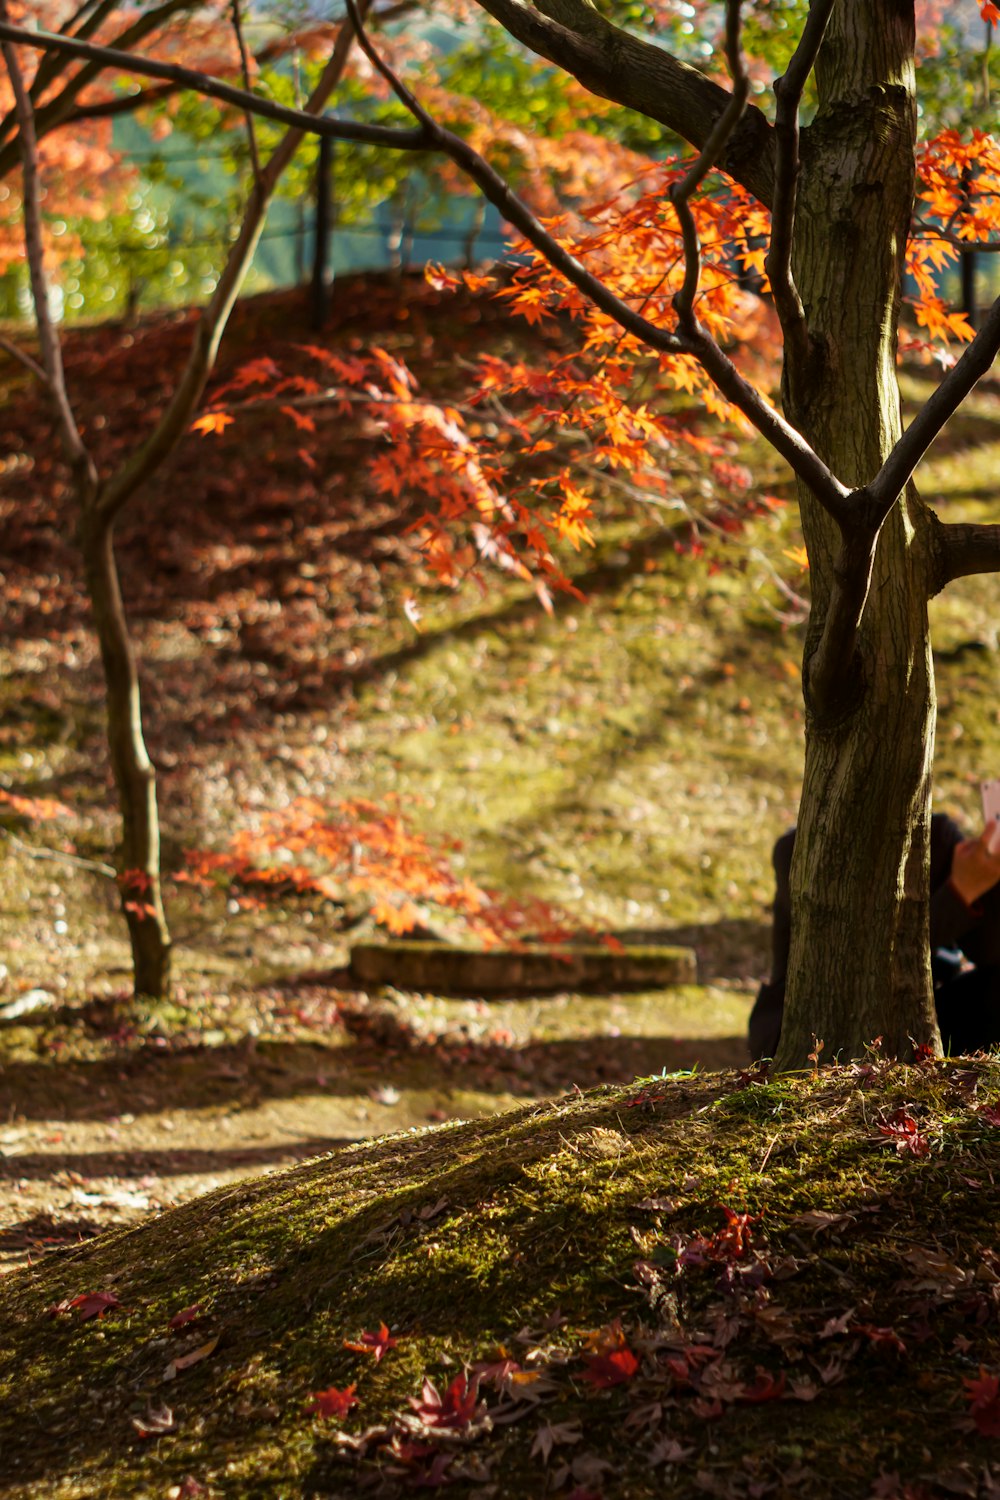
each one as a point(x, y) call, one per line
point(135, 778)
point(859, 963)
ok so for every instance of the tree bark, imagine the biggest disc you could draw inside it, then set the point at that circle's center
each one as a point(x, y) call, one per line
point(859, 963)
point(135, 778)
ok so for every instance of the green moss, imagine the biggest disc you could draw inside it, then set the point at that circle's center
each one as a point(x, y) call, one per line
point(464, 1236)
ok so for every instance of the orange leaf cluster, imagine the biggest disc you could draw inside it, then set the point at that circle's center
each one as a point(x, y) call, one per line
point(358, 848)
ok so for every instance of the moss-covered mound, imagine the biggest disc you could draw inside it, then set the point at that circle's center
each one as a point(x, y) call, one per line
point(690, 1286)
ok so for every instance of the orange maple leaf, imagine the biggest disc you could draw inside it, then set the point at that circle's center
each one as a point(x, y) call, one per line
point(212, 421)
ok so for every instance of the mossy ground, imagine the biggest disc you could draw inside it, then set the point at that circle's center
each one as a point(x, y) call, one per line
point(867, 1298)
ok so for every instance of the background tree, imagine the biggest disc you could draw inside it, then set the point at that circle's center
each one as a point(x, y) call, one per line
point(840, 193)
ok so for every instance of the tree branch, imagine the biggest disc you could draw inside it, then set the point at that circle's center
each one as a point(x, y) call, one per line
point(122, 104)
point(829, 675)
point(214, 88)
point(176, 420)
point(962, 549)
point(48, 339)
point(615, 65)
point(788, 93)
point(888, 483)
point(681, 192)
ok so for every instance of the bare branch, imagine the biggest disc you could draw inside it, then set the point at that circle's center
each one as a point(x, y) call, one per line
point(962, 549)
point(614, 64)
point(25, 359)
point(48, 339)
point(54, 111)
point(788, 93)
point(122, 104)
point(885, 488)
point(176, 420)
point(681, 192)
point(245, 66)
point(78, 863)
point(214, 88)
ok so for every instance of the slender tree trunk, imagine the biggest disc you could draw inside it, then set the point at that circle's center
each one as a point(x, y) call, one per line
point(135, 778)
point(859, 963)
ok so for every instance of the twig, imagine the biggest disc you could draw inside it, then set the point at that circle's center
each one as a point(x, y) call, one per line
point(245, 66)
point(681, 192)
point(76, 452)
point(980, 247)
point(778, 264)
point(214, 88)
point(25, 359)
point(71, 859)
point(176, 419)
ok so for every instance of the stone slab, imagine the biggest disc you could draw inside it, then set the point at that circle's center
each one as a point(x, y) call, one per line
point(446, 969)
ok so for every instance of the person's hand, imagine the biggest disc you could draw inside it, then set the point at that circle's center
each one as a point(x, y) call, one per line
point(975, 864)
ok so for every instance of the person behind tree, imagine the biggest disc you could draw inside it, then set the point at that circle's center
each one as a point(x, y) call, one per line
point(964, 932)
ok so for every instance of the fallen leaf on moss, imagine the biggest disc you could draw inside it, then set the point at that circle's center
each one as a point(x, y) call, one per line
point(158, 1419)
point(552, 1435)
point(332, 1402)
point(606, 1370)
point(376, 1344)
point(194, 1357)
point(458, 1407)
point(88, 1305)
point(186, 1315)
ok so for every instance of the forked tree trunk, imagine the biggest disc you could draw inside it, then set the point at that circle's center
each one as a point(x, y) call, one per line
point(135, 778)
point(859, 963)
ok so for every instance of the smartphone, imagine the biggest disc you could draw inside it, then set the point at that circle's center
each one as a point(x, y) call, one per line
point(991, 799)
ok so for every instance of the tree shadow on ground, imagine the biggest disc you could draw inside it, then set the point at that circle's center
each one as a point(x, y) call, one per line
point(182, 1162)
point(148, 1082)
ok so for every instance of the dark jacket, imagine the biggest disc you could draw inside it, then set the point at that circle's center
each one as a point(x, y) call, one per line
point(973, 929)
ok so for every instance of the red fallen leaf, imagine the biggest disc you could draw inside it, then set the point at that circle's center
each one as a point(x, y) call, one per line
point(458, 1407)
point(332, 1402)
point(764, 1388)
point(990, 1113)
point(606, 1370)
point(880, 1338)
point(983, 1394)
point(902, 1128)
point(186, 1315)
point(374, 1343)
point(495, 1372)
point(91, 1304)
